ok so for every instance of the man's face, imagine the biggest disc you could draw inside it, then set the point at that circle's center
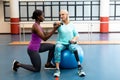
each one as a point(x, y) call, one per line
point(63, 15)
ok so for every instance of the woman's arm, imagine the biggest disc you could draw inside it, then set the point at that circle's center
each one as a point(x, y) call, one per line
point(42, 34)
point(74, 40)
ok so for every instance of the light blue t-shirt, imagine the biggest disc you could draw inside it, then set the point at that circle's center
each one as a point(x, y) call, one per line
point(66, 33)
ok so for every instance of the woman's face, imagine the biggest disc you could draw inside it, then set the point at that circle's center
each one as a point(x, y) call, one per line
point(63, 16)
point(41, 18)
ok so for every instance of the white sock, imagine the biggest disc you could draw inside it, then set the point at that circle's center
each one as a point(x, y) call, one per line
point(78, 62)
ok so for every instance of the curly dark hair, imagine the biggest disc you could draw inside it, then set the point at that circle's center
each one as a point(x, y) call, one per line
point(37, 13)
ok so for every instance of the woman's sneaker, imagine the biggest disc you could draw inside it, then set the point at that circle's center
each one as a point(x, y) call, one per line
point(57, 73)
point(15, 66)
point(81, 73)
point(49, 66)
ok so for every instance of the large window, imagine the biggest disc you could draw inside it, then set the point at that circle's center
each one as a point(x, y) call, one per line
point(115, 10)
point(78, 10)
point(6, 11)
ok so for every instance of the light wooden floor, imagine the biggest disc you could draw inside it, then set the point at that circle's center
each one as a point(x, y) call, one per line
point(80, 42)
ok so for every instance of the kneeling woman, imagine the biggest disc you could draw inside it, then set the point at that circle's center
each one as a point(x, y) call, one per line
point(35, 46)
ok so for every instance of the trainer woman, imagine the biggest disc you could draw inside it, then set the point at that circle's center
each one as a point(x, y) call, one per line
point(35, 46)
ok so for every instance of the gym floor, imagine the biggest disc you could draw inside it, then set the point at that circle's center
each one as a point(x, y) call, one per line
point(101, 62)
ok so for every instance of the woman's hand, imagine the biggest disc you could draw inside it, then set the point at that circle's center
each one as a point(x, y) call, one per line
point(72, 41)
point(57, 24)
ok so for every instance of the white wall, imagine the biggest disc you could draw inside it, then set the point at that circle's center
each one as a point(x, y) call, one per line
point(4, 26)
point(81, 26)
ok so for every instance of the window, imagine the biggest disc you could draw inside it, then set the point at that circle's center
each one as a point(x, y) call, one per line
point(6, 11)
point(78, 10)
point(115, 10)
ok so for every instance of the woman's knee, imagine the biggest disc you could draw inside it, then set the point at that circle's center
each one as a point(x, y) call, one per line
point(59, 47)
point(51, 46)
point(73, 48)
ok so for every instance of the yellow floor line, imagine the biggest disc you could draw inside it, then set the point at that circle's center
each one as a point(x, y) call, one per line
point(80, 42)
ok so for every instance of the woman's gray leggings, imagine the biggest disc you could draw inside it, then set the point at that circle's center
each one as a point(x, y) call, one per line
point(36, 59)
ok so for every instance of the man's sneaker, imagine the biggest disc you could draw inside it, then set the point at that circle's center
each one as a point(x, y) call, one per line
point(50, 66)
point(57, 73)
point(14, 66)
point(81, 73)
